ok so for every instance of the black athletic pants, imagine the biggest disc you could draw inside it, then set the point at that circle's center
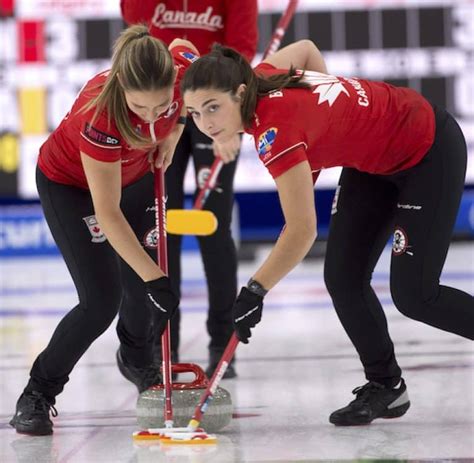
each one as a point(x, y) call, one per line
point(218, 250)
point(419, 207)
point(105, 284)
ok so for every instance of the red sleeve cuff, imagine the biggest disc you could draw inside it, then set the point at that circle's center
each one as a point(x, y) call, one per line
point(288, 159)
point(100, 151)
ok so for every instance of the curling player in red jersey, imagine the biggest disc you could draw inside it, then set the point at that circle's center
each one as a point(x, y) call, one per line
point(404, 163)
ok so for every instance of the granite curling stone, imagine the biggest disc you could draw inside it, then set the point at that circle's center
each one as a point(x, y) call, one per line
point(185, 397)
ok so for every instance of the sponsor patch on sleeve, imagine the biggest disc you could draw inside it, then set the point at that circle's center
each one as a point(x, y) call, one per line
point(189, 56)
point(266, 140)
point(101, 138)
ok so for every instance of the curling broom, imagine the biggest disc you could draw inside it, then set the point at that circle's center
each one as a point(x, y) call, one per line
point(162, 256)
point(192, 434)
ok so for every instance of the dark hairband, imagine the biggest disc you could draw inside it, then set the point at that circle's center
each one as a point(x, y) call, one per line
point(142, 34)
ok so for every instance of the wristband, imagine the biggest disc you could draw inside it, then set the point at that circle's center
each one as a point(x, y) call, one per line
point(256, 288)
point(182, 120)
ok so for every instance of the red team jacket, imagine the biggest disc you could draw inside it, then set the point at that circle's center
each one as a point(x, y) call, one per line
point(370, 126)
point(229, 22)
point(60, 158)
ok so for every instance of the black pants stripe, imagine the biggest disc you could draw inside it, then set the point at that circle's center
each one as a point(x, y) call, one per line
point(419, 206)
point(218, 250)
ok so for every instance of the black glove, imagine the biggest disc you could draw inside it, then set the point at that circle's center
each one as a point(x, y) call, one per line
point(162, 301)
point(246, 313)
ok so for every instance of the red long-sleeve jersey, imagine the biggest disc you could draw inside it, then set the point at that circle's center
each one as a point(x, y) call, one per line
point(369, 126)
point(60, 154)
point(232, 23)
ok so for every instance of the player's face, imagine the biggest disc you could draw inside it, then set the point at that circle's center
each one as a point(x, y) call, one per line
point(149, 105)
point(216, 113)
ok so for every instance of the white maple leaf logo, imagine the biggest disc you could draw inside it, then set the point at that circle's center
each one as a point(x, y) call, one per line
point(330, 92)
point(328, 87)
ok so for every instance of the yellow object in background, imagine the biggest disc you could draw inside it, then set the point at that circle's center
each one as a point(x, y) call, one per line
point(190, 222)
point(9, 153)
point(33, 111)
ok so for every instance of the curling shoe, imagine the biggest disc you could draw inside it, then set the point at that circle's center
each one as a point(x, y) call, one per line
point(143, 378)
point(214, 358)
point(32, 414)
point(373, 400)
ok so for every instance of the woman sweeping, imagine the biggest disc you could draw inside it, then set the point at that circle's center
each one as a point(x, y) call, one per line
point(404, 163)
point(96, 191)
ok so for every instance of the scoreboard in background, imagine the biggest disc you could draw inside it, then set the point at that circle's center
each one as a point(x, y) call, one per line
point(49, 48)
point(427, 45)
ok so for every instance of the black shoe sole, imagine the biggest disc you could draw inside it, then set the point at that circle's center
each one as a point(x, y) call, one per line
point(396, 412)
point(31, 430)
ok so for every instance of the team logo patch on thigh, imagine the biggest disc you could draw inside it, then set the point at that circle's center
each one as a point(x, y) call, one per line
point(400, 242)
point(150, 240)
point(94, 229)
point(202, 176)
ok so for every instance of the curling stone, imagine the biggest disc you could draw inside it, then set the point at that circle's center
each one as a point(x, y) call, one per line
point(185, 397)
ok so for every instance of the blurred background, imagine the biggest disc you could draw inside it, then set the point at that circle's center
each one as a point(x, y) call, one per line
point(50, 48)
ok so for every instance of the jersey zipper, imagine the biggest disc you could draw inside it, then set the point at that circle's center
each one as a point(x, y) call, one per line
point(152, 131)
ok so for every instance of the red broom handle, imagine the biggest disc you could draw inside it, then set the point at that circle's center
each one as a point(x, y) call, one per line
point(210, 183)
point(211, 180)
point(214, 382)
point(280, 29)
point(162, 258)
point(271, 48)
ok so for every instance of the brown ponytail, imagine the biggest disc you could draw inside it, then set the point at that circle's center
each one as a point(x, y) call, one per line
point(225, 69)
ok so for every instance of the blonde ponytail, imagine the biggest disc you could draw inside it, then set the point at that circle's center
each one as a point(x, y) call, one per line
point(143, 63)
